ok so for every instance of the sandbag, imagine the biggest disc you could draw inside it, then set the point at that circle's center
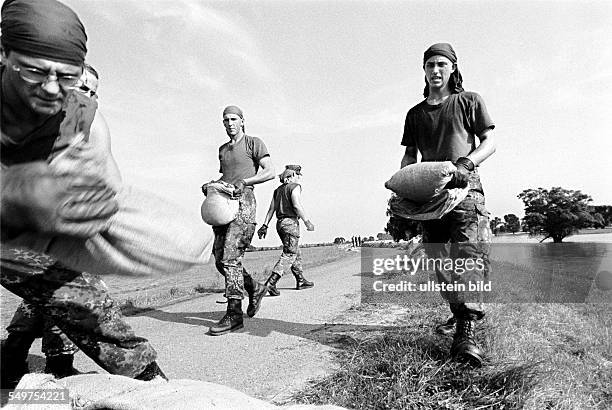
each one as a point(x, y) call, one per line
point(422, 181)
point(219, 208)
point(147, 236)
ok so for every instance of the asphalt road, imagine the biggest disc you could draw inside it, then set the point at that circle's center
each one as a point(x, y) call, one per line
point(275, 353)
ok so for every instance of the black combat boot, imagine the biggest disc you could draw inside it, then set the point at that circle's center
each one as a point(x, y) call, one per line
point(256, 292)
point(61, 366)
point(447, 328)
point(271, 284)
point(232, 319)
point(464, 346)
point(301, 282)
point(150, 372)
point(13, 356)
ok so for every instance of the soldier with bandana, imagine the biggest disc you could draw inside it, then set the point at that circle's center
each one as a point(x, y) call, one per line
point(244, 162)
point(43, 48)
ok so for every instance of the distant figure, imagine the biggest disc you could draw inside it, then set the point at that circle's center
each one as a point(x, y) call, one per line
point(287, 204)
point(244, 162)
point(444, 127)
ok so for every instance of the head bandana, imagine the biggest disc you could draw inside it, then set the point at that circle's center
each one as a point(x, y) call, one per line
point(232, 109)
point(43, 29)
point(445, 50)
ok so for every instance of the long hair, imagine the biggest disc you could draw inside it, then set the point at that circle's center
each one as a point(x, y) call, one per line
point(455, 83)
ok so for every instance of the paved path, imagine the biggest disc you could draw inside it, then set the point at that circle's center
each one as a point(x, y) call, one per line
point(277, 351)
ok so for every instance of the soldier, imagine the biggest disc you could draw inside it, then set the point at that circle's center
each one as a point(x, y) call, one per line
point(443, 127)
point(287, 204)
point(43, 48)
point(29, 322)
point(244, 162)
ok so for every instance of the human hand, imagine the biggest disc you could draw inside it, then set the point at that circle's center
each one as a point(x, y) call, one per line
point(35, 198)
point(461, 178)
point(239, 188)
point(263, 231)
point(309, 225)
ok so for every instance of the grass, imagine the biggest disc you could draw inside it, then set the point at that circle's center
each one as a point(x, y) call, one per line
point(541, 356)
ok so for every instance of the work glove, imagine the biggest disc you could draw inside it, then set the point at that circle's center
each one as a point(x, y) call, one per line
point(239, 188)
point(309, 225)
point(262, 231)
point(35, 198)
point(461, 178)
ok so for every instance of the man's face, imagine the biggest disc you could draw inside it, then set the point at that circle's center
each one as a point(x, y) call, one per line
point(438, 70)
point(232, 124)
point(44, 98)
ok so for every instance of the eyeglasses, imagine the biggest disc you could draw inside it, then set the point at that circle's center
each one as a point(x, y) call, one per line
point(35, 76)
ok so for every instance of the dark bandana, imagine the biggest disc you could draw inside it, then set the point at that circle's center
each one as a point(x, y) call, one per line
point(446, 50)
point(43, 29)
point(232, 109)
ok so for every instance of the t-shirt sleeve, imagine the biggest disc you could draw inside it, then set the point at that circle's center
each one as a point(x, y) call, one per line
point(480, 118)
point(408, 139)
point(259, 149)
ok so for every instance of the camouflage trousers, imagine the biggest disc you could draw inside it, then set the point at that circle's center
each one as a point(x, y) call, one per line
point(231, 241)
point(30, 322)
point(461, 235)
point(79, 305)
point(289, 231)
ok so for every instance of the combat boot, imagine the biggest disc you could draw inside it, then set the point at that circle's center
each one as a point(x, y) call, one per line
point(271, 284)
point(232, 319)
point(447, 328)
point(301, 282)
point(464, 346)
point(256, 292)
point(61, 366)
point(14, 355)
point(150, 372)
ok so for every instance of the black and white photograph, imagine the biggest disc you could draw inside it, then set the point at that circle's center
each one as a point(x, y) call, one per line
point(306, 204)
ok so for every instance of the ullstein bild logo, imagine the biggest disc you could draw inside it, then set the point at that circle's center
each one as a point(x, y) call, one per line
point(431, 286)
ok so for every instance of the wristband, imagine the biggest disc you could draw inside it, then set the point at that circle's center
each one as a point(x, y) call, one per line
point(465, 162)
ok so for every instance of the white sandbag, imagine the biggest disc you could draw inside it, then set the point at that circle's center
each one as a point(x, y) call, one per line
point(422, 181)
point(147, 236)
point(219, 208)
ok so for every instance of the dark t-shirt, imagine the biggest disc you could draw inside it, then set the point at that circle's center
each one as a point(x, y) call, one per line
point(282, 201)
point(447, 131)
point(241, 160)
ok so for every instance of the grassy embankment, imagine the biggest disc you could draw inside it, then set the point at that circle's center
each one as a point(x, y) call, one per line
point(540, 355)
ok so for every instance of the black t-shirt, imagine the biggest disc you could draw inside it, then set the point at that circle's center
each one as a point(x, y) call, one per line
point(447, 131)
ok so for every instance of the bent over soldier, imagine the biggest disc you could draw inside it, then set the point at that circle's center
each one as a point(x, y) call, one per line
point(43, 48)
point(287, 204)
point(244, 162)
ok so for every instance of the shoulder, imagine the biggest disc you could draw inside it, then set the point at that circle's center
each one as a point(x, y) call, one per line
point(469, 96)
point(224, 146)
point(253, 140)
point(418, 107)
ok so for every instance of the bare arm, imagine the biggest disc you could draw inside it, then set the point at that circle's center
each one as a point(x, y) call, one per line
point(266, 172)
point(296, 199)
point(485, 149)
point(410, 156)
point(100, 140)
point(270, 213)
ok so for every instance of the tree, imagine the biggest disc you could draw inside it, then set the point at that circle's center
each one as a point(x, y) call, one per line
point(513, 224)
point(555, 213)
point(338, 241)
point(384, 236)
point(496, 225)
point(605, 211)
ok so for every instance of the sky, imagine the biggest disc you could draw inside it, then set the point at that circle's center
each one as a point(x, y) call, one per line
point(327, 84)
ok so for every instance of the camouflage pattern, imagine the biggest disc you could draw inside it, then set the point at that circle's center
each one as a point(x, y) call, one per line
point(462, 233)
point(231, 241)
point(31, 321)
point(80, 306)
point(289, 231)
